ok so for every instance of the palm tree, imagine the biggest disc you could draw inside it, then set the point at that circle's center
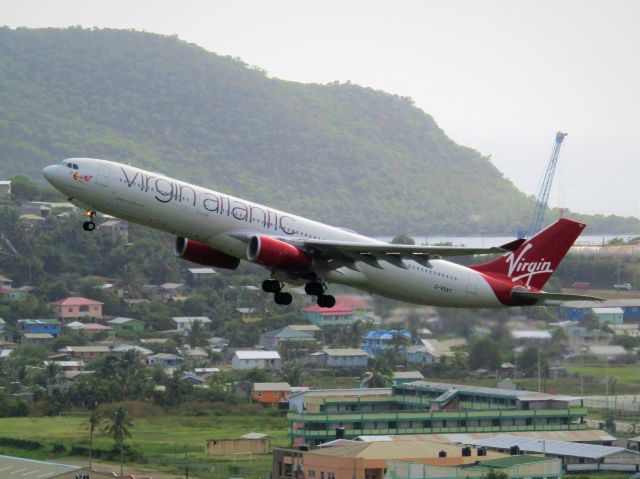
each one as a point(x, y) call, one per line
point(92, 422)
point(197, 336)
point(381, 375)
point(117, 426)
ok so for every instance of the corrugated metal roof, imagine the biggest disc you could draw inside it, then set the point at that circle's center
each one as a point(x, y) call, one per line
point(16, 467)
point(344, 352)
point(259, 387)
point(558, 448)
point(610, 310)
point(257, 355)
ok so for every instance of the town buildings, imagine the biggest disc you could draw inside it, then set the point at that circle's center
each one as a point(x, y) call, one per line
point(423, 407)
point(270, 393)
point(185, 323)
point(269, 360)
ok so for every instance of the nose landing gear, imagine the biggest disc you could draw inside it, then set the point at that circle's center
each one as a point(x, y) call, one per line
point(89, 225)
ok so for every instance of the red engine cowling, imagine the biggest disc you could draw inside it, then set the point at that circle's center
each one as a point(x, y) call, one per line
point(203, 254)
point(276, 254)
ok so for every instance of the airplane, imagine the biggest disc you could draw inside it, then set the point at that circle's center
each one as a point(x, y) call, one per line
point(219, 230)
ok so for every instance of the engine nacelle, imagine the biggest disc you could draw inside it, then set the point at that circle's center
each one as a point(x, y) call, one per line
point(278, 255)
point(203, 254)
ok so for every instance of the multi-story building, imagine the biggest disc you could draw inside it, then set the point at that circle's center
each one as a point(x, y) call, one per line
point(423, 407)
point(75, 307)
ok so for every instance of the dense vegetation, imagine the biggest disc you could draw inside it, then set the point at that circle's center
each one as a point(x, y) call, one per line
point(340, 153)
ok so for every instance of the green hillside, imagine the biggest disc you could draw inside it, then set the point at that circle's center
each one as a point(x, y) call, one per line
point(340, 153)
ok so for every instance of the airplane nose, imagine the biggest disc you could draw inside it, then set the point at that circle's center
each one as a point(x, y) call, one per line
point(49, 172)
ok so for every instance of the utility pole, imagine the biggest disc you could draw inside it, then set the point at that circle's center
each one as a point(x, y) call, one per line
point(186, 462)
point(539, 375)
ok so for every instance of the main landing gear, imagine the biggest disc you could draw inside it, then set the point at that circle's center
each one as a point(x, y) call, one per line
point(275, 287)
point(317, 288)
point(89, 225)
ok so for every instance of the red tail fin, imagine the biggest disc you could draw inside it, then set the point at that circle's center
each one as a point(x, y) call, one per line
point(533, 263)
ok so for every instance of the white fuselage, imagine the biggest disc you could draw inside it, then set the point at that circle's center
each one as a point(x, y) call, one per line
point(183, 209)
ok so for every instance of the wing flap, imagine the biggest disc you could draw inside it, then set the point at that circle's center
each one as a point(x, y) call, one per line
point(533, 297)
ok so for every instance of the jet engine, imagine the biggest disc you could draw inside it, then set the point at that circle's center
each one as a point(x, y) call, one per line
point(203, 254)
point(275, 254)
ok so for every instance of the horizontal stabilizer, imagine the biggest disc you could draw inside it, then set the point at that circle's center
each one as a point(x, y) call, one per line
point(513, 245)
point(531, 297)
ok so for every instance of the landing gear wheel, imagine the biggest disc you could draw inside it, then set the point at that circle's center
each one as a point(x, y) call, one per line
point(283, 298)
point(88, 226)
point(314, 288)
point(271, 286)
point(326, 301)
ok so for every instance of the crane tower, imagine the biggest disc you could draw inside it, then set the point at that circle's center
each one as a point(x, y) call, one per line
point(545, 187)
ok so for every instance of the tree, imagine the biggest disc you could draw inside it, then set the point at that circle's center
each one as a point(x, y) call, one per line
point(196, 337)
point(402, 239)
point(92, 422)
point(485, 353)
point(528, 361)
point(118, 425)
point(495, 474)
point(380, 374)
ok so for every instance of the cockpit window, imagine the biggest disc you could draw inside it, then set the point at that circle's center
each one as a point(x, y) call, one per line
point(68, 165)
point(75, 167)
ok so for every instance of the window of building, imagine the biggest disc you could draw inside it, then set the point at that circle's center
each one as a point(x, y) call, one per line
point(331, 475)
point(311, 473)
point(321, 474)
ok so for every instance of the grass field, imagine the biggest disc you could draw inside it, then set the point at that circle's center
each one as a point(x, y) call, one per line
point(629, 375)
point(162, 440)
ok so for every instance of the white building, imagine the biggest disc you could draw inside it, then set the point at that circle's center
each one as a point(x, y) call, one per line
point(256, 359)
point(184, 323)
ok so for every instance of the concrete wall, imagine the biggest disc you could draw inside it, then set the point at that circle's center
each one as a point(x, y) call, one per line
point(223, 447)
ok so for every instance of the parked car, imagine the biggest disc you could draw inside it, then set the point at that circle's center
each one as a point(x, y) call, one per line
point(623, 287)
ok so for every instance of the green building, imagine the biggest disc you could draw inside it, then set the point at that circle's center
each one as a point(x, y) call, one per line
point(515, 467)
point(423, 407)
point(127, 324)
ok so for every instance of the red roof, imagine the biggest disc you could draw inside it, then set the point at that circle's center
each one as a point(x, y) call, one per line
point(352, 301)
point(75, 301)
point(335, 310)
point(96, 327)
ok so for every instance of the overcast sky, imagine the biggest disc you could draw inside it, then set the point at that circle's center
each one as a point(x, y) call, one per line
point(499, 76)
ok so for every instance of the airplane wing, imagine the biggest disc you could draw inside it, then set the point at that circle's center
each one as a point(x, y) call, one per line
point(535, 297)
point(346, 253)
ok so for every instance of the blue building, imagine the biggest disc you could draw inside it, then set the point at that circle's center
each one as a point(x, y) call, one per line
point(40, 326)
point(576, 310)
point(380, 340)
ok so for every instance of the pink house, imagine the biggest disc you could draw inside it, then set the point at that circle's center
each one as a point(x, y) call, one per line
point(76, 307)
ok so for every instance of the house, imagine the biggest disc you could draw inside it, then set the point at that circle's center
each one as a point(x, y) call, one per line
point(429, 351)
point(67, 366)
point(40, 326)
point(252, 443)
point(381, 340)
point(583, 455)
point(576, 310)
point(270, 393)
point(193, 379)
point(200, 275)
point(164, 292)
point(86, 353)
point(580, 339)
point(248, 315)
point(31, 220)
point(402, 377)
point(196, 357)
point(632, 330)
point(123, 348)
point(5, 282)
point(94, 328)
point(18, 294)
point(117, 230)
point(256, 359)
point(336, 316)
point(126, 324)
point(511, 467)
point(165, 360)
point(530, 337)
point(307, 328)
point(609, 315)
point(272, 340)
point(609, 353)
point(5, 189)
point(368, 460)
point(38, 338)
point(184, 323)
point(342, 358)
point(76, 307)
